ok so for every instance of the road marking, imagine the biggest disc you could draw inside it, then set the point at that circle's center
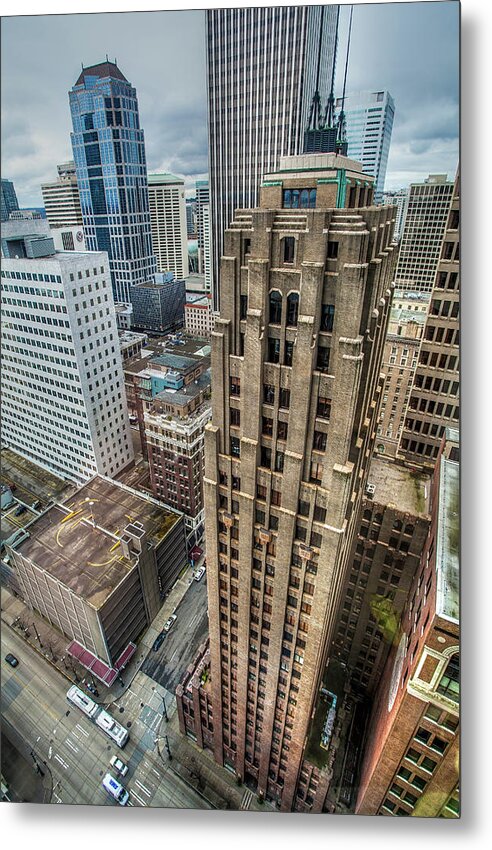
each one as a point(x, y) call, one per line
point(142, 787)
point(69, 744)
point(142, 802)
point(156, 772)
point(63, 763)
point(50, 752)
point(82, 730)
point(246, 800)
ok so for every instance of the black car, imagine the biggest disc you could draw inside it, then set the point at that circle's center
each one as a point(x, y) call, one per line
point(11, 659)
point(20, 510)
point(158, 641)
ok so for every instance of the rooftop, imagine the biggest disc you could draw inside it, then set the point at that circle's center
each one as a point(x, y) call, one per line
point(102, 70)
point(400, 487)
point(78, 542)
point(157, 179)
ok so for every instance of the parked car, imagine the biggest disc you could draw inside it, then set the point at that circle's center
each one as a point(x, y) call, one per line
point(170, 622)
point(11, 659)
point(119, 765)
point(158, 641)
point(20, 510)
point(199, 573)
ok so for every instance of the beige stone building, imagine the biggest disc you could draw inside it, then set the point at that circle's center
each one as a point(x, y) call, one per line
point(296, 360)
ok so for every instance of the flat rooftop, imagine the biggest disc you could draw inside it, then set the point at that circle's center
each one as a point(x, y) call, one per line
point(396, 485)
point(448, 535)
point(88, 558)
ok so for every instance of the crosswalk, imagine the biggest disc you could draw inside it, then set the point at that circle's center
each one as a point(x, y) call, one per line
point(246, 800)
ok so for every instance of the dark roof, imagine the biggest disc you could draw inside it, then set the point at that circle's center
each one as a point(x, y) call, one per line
point(104, 69)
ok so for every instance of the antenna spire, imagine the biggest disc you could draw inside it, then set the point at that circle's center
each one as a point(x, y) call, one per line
point(342, 127)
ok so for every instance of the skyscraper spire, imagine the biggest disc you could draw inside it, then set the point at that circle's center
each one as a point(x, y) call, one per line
point(342, 127)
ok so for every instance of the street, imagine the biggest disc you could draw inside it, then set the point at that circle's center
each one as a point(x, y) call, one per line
point(76, 753)
point(167, 665)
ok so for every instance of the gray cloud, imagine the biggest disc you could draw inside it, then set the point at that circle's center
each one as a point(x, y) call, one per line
point(410, 49)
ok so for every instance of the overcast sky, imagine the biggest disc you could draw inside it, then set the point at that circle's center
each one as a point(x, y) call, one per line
point(409, 49)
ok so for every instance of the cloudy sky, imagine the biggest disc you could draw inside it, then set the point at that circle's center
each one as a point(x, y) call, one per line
point(410, 49)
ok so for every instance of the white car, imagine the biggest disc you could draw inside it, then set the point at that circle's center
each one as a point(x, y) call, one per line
point(119, 765)
point(199, 573)
point(170, 622)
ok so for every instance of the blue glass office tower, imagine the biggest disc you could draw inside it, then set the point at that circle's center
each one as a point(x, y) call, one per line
point(9, 199)
point(109, 153)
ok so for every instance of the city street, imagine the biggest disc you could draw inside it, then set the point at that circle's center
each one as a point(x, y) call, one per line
point(76, 753)
point(167, 665)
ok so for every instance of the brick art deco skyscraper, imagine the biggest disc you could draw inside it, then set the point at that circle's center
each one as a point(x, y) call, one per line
point(296, 358)
point(109, 153)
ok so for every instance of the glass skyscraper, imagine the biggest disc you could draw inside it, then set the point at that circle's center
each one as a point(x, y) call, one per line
point(369, 121)
point(109, 154)
point(9, 199)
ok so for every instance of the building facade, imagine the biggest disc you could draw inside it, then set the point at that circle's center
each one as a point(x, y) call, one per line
point(168, 223)
point(369, 124)
point(158, 306)
point(296, 359)
point(399, 199)
point(191, 218)
point(411, 760)
point(63, 384)
point(62, 200)
point(199, 318)
point(423, 232)
point(9, 199)
point(261, 72)
point(434, 399)
point(109, 154)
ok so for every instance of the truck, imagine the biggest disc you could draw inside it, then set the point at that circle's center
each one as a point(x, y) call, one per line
point(115, 789)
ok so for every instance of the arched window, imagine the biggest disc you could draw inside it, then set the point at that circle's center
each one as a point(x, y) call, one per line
point(312, 198)
point(449, 685)
point(295, 199)
point(409, 529)
point(275, 307)
point(304, 199)
point(292, 308)
point(287, 198)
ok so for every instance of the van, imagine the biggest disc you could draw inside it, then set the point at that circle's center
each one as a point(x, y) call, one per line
point(115, 789)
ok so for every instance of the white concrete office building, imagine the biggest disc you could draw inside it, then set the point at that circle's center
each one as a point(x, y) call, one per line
point(369, 122)
point(399, 199)
point(63, 396)
point(167, 208)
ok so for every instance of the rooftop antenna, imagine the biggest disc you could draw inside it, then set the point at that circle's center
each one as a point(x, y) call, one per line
point(315, 111)
point(107, 59)
point(342, 127)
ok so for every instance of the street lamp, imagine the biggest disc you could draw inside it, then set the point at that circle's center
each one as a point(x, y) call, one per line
point(164, 708)
point(166, 739)
point(37, 635)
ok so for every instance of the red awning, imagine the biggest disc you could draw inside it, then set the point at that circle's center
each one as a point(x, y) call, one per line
point(97, 668)
point(196, 552)
point(125, 656)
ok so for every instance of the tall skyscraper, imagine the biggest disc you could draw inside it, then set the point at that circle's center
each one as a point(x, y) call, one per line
point(262, 71)
point(369, 123)
point(191, 225)
point(168, 222)
point(207, 252)
point(434, 398)
point(421, 241)
point(399, 199)
point(61, 199)
point(296, 358)
point(63, 386)
point(9, 199)
point(109, 153)
point(202, 200)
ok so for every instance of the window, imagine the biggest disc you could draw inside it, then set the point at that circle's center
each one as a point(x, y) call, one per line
point(288, 353)
point(235, 417)
point(235, 447)
point(275, 304)
point(288, 252)
point(323, 409)
point(267, 426)
point(449, 685)
point(284, 400)
point(323, 359)
point(235, 386)
point(292, 309)
point(273, 355)
point(332, 252)
point(243, 309)
point(319, 441)
point(266, 457)
point(282, 430)
point(279, 461)
point(268, 394)
point(327, 314)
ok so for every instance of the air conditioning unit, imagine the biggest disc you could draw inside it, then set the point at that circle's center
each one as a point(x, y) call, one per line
point(370, 489)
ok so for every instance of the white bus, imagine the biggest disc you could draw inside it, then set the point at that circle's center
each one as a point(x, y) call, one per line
point(113, 730)
point(86, 704)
